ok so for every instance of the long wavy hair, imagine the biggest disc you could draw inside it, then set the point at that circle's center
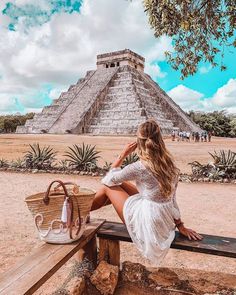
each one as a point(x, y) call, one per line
point(152, 150)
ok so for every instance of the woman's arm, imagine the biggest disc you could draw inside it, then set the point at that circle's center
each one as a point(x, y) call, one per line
point(187, 232)
point(129, 148)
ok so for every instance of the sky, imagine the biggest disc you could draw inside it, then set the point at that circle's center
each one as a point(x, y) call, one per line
point(47, 45)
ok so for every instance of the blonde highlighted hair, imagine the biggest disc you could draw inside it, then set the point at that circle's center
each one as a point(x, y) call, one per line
point(152, 150)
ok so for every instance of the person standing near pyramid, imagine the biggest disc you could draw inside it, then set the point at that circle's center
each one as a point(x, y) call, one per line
point(149, 209)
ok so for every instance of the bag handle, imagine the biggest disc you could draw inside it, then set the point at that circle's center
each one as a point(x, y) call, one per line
point(48, 193)
point(76, 186)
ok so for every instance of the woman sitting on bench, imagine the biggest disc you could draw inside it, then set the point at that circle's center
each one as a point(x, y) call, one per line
point(149, 209)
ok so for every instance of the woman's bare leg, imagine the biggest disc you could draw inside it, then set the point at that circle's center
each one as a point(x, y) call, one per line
point(116, 195)
point(101, 198)
point(129, 187)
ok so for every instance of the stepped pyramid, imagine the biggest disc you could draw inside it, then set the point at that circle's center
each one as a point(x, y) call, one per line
point(113, 99)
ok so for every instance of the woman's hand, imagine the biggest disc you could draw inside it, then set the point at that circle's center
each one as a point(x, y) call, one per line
point(129, 149)
point(189, 233)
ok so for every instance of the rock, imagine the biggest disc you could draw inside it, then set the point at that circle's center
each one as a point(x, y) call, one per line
point(226, 180)
point(82, 173)
point(134, 272)
point(206, 179)
point(76, 286)
point(164, 277)
point(35, 171)
point(105, 278)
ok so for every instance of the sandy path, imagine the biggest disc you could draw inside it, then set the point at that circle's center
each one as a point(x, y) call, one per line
point(13, 146)
point(208, 208)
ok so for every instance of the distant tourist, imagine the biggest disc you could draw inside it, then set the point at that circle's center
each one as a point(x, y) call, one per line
point(149, 209)
point(197, 136)
point(188, 136)
point(209, 136)
point(173, 135)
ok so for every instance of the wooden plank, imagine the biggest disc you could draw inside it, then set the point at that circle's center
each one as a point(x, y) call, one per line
point(35, 269)
point(215, 245)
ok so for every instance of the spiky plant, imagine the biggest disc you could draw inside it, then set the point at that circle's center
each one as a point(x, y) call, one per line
point(39, 157)
point(82, 157)
point(224, 158)
point(18, 163)
point(62, 165)
point(3, 163)
point(107, 166)
point(132, 158)
point(224, 166)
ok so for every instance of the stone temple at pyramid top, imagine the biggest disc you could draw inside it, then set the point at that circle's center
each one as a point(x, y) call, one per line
point(113, 99)
point(121, 58)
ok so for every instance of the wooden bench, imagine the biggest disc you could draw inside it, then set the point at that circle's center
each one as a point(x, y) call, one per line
point(30, 273)
point(113, 232)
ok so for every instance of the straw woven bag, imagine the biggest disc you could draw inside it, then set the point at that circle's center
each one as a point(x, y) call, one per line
point(60, 214)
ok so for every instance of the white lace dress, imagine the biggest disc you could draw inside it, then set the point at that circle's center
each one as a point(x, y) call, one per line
point(148, 216)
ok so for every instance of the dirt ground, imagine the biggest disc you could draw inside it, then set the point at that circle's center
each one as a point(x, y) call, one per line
point(207, 208)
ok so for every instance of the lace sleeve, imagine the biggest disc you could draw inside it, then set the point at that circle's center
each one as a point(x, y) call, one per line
point(176, 211)
point(117, 175)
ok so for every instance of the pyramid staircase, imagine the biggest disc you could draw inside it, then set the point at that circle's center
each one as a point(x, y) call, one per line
point(127, 104)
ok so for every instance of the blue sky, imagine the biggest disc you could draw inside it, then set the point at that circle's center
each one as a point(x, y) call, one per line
point(46, 47)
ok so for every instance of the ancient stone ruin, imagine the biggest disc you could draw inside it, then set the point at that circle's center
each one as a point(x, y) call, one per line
point(113, 99)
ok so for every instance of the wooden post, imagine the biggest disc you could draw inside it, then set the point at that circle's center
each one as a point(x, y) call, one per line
point(89, 251)
point(109, 251)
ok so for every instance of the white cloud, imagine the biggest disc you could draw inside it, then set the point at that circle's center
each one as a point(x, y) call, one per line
point(62, 50)
point(225, 96)
point(205, 69)
point(189, 99)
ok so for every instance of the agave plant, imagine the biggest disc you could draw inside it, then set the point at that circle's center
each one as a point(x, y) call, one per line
point(224, 166)
point(82, 157)
point(62, 165)
point(3, 163)
point(224, 158)
point(107, 166)
point(39, 157)
point(132, 158)
point(18, 163)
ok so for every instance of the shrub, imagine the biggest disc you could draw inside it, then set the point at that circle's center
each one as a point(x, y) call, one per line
point(18, 163)
point(39, 157)
point(3, 163)
point(132, 158)
point(82, 157)
point(223, 166)
point(107, 166)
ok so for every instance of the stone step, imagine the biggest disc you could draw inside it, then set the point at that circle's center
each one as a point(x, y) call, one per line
point(117, 121)
point(122, 83)
point(51, 109)
point(118, 115)
point(104, 129)
point(142, 89)
point(113, 106)
point(121, 88)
